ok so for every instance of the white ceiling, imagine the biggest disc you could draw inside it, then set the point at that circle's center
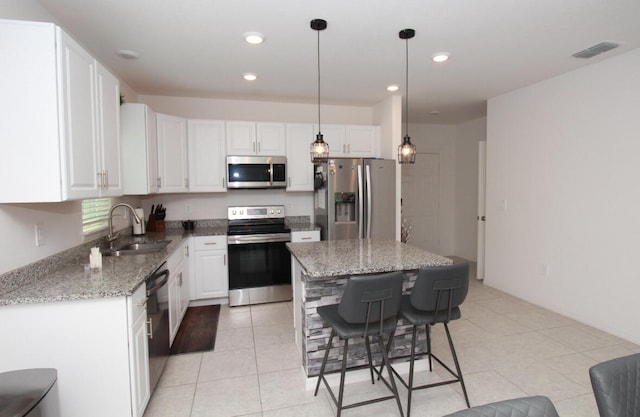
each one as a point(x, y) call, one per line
point(195, 47)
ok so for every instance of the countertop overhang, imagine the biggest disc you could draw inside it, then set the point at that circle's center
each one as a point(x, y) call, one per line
point(361, 256)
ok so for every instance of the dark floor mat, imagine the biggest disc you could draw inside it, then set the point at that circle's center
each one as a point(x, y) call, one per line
point(197, 331)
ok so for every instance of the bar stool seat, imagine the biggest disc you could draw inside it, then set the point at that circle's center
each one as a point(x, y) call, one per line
point(368, 308)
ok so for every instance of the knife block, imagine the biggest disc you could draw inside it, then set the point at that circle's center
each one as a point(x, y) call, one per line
point(154, 225)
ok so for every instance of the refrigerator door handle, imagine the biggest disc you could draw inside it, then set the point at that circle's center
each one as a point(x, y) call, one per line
point(368, 172)
point(360, 203)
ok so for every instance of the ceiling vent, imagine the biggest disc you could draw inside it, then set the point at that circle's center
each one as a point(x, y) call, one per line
point(596, 50)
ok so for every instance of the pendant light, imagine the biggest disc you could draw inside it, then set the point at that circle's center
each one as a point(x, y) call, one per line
point(406, 151)
point(319, 149)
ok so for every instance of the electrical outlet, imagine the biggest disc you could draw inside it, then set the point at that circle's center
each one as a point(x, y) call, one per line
point(39, 234)
point(187, 208)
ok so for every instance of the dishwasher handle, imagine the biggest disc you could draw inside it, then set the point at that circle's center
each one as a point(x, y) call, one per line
point(158, 279)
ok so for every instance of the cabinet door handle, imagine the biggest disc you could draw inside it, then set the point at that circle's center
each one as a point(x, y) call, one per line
point(186, 251)
point(159, 182)
point(258, 147)
point(186, 183)
point(210, 243)
point(150, 327)
point(99, 177)
point(142, 303)
point(254, 146)
point(306, 238)
point(180, 279)
point(224, 258)
point(224, 184)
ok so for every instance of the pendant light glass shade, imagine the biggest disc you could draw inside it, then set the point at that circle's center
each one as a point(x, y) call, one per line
point(406, 151)
point(319, 149)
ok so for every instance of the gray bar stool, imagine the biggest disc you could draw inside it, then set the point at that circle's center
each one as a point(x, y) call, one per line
point(369, 307)
point(536, 406)
point(616, 386)
point(435, 298)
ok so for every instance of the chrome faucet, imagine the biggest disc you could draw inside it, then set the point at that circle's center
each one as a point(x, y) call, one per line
point(111, 236)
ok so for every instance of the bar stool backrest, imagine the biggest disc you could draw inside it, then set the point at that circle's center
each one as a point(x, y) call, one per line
point(440, 288)
point(371, 298)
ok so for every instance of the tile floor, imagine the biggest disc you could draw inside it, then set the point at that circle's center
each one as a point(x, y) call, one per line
point(507, 348)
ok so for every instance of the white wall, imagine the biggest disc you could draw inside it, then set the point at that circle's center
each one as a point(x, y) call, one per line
point(388, 115)
point(263, 111)
point(466, 186)
point(441, 139)
point(563, 154)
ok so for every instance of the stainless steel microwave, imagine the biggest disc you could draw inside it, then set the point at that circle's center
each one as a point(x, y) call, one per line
point(256, 171)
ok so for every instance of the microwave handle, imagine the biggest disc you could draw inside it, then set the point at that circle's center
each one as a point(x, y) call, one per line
point(271, 173)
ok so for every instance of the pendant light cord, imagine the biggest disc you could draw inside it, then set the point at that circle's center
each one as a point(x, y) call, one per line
point(406, 94)
point(319, 82)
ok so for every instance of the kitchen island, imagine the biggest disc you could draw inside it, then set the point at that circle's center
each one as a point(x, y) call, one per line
point(319, 272)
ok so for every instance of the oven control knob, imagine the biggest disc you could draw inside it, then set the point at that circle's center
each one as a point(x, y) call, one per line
point(271, 211)
point(278, 211)
point(233, 212)
point(241, 211)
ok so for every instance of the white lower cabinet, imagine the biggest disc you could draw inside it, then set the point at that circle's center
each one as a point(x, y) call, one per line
point(138, 351)
point(96, 346)
point(305, 236)
point(296, 283)
point(178, 288)
point(210, 278)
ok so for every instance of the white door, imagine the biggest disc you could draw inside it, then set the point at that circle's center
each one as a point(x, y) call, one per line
point(482, 188)
point(420, 201)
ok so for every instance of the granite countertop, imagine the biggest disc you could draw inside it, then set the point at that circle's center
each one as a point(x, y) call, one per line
point(361, 256)
point(69, 279)
point(63, 277)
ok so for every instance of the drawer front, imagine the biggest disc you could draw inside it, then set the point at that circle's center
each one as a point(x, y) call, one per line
point(211, 242)
point(306, 236)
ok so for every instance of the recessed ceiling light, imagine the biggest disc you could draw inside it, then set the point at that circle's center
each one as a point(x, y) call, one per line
point(254, 38)
point(249, 76)
point(440, 56)
point(393, 87)
point(128, 54)
point(435, 112)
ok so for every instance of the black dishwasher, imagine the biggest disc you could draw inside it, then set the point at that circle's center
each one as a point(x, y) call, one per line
point(158, 322)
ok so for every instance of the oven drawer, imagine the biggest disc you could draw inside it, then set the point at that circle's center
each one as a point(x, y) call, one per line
point(211, 242)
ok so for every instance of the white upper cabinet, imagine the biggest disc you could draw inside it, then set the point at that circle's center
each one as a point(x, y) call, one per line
point(251, 138)
point(139, 149)
point(299, 166)
point(207, 151)
point(357, 141)
point(60, 127)
point(109, 132)
point(172, 154)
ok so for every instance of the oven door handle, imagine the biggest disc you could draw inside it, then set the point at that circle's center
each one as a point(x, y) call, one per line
point(266, 238)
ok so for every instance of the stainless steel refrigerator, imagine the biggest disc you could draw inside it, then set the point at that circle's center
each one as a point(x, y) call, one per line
point(355, 198)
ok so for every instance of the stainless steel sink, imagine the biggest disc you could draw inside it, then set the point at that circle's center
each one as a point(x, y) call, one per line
point(137, 248)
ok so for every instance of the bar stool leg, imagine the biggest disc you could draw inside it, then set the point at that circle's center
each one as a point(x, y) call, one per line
point(455, 360)
point(411, 366)
point(385, 358)
point(342, 374)
point(368, 345)
point(428, 330)
point(324, 362)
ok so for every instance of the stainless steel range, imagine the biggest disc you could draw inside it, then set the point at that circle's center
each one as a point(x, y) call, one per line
point(259, 261)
